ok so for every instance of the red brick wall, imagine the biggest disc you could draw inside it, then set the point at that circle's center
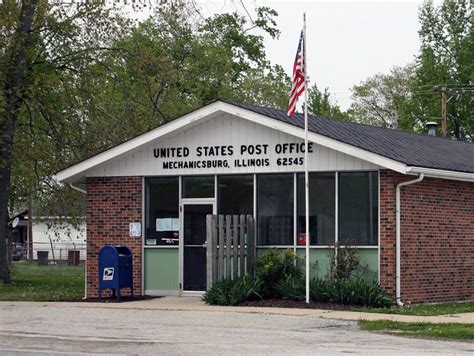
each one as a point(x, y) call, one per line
point(112, 204)
point(437, 238)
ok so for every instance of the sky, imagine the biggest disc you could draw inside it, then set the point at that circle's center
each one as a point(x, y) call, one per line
point(346, 41)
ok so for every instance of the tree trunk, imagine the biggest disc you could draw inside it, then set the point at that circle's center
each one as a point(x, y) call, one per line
point(14, 87)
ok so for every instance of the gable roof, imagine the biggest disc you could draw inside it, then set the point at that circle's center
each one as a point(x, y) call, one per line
point(404, 152)
point(409, 148)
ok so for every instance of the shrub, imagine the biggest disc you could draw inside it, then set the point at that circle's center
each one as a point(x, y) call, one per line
point(358, 292)
point(233, 291)
point(343, 261)
point(273, 267)
point(292, 287)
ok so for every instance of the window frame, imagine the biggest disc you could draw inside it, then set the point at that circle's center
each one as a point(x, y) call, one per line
point(334, 174)
point(146, 210)
point(376, 217)
point(249, 176)
point(293, 239)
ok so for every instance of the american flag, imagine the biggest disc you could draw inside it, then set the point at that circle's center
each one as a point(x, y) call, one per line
point(297, 87)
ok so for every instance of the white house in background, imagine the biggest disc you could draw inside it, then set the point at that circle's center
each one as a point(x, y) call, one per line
point(52, 234)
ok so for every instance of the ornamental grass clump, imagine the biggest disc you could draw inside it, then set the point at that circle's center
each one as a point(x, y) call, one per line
point(293, 288)
point(318, 289)
point(354, 291)
point(233, 291)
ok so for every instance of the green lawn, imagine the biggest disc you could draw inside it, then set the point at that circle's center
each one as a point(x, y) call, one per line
point(446, 331)
point(44, 283)
point(424, 309)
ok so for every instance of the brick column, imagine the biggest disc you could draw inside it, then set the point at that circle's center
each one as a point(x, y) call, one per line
point(112, 204)
point(387, 231)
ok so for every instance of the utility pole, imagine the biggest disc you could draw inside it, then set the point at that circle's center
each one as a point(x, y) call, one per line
point(394, 120)
point(443, 91)
point(443, 111)
point(444, 100)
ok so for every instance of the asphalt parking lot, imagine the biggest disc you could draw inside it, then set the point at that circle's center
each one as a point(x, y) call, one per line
point(62, 329)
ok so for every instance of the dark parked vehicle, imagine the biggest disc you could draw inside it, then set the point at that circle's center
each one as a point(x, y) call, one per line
point(18, 252)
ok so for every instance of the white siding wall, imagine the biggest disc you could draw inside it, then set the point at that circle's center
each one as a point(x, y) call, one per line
point(226, 130)
point(64, 237)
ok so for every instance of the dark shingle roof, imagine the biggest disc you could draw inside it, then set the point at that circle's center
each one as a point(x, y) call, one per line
point(406, 147)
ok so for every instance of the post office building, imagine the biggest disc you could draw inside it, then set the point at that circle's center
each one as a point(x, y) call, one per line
point(405, 200)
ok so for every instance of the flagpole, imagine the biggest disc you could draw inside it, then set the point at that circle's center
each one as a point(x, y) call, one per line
point(306, 175)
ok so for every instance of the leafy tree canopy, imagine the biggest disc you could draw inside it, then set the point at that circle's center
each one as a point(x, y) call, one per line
point(96, 79)
point(319, 103)
point(445, 60)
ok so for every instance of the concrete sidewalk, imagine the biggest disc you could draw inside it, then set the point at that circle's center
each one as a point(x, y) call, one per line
point(196, 304)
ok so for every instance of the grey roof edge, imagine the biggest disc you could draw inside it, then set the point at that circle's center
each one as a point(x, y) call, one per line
point(418, 134)
point(429, 145)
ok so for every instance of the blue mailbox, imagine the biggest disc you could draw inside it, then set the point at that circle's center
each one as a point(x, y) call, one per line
point(115, 269)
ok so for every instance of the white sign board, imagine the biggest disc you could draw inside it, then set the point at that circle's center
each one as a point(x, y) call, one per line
point(228, 145)
point(135, 229)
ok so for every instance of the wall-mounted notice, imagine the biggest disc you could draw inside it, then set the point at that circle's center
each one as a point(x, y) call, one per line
point(167, 224)
point(175, 225)
point(135, 229)
point(163, 224)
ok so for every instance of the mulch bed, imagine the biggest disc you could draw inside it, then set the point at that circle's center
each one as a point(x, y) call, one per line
point(287, 303)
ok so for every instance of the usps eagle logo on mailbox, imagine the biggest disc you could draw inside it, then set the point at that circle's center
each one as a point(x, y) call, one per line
point(108, 274)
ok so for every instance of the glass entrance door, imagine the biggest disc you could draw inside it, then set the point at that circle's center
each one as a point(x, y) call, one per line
point(194, 260)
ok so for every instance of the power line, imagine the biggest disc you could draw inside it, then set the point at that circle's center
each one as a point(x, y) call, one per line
point(445, 85)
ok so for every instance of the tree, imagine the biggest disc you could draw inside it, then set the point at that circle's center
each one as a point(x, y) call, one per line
point(446, 60)
point(167, 68)
point(45, 50)
point(377, 99)
point(72, 73)
point(16, 56)
point(319, 103)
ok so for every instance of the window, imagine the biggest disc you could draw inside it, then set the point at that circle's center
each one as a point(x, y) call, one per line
point(198, 187)
point(162, 211)
point(236, 195)
point(358, 208)
point(275, 197)
point(322, 205)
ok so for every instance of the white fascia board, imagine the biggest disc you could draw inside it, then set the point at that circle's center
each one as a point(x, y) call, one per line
point(70, 175)
point(317, 138)
point(443, 174)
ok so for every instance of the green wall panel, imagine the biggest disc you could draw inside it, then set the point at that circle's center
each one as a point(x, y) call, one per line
point(318, 261)
point(369, 263)
point(161, 269)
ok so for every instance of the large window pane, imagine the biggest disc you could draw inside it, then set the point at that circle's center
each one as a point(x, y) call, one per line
point(198, 187)
point(162, 211)
point(322, 205)
point(275, 197)
point(358, 208)
point(236, 195)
